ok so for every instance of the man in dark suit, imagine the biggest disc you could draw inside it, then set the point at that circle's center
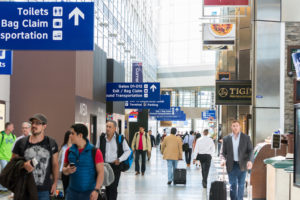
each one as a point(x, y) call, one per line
point(152, 138)
point(237, 151)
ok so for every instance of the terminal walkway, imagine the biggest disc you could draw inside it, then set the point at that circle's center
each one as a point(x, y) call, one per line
point(153, 185)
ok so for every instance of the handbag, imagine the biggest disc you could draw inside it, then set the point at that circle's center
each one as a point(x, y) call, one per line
point(186, 146)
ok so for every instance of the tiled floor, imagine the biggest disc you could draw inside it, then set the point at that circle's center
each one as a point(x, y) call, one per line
point(154, 184)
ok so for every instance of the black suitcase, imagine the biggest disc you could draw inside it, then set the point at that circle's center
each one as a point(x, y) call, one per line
point(179, 176)
point(218, 191)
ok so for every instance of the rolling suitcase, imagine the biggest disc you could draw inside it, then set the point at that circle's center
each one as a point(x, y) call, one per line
point(218, 189)
point(179, 176)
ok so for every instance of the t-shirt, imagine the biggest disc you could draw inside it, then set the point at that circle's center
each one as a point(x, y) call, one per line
point(18, 138)
point(6, 145)
point(141, 142)
point(98, 156)
point(42, 152)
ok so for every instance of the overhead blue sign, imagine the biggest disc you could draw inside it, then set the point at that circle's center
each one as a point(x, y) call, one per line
point(171, 111)
point(47, 25)
point(132, 91)
point(167, 114)
point(163, 103)
point(181, 117)
point(5, 62)
point(208, 113)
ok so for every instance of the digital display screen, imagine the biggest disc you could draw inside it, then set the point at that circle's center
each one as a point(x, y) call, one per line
point(276, 141)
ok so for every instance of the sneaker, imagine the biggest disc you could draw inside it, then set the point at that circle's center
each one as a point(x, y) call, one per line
point(204, 184)
point(169, 182)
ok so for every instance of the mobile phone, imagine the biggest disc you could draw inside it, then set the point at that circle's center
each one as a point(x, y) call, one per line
point(72, 164)
point(34, 162)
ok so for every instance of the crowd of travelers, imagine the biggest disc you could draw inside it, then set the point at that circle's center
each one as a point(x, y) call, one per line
point(32, 164)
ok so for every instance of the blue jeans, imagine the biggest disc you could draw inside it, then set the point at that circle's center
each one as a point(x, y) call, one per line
point(3, 163)
point(44, 195)
point(237, 182)
point(172, 165)
point(73, 195)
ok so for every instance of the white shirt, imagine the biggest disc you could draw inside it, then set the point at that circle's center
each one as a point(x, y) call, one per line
point(235, 146)
point(63, 149)
point(189, 139)
point(111, 150)
point(204, 145)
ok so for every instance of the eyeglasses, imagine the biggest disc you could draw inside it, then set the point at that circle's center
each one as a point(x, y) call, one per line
point(36, 123)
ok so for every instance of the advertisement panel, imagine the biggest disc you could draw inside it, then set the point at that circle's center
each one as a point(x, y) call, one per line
point(219, 34)
point(233, 92)
point(137, 72)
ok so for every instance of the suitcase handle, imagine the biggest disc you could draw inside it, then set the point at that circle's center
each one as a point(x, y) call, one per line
point(222, 178)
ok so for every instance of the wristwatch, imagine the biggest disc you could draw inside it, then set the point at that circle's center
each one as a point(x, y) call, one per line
point(97, 190)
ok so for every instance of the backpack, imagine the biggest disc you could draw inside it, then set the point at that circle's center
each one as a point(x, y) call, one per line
point(126, 164)
point(2, 134)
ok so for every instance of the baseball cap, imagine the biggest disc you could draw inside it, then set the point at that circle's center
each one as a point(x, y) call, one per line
point(39, 116)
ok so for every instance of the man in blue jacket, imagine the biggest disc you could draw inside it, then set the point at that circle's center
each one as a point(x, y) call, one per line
point(86, 173)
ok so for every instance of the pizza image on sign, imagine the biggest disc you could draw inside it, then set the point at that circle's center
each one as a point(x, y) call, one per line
point(219, 34)
point(221, 29)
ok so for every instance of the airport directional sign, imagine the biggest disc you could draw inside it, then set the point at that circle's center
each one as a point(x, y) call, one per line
point(171, 111)
point(133, 91)
point(47, 25)
point(5, 62)
point(208, 114)
point(181, 117)
point(163, 103)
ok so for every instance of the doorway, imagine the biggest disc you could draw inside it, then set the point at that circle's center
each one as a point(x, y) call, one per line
point(93, 122)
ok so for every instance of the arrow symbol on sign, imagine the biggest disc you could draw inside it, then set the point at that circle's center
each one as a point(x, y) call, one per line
point(76, 13)
point(153, 88)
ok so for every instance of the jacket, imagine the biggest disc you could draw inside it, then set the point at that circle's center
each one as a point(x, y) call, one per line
point(84, 179)
point(171, 148)
point(15, 178)
point(152, 140)
point(146, 141)
point(244, 151)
